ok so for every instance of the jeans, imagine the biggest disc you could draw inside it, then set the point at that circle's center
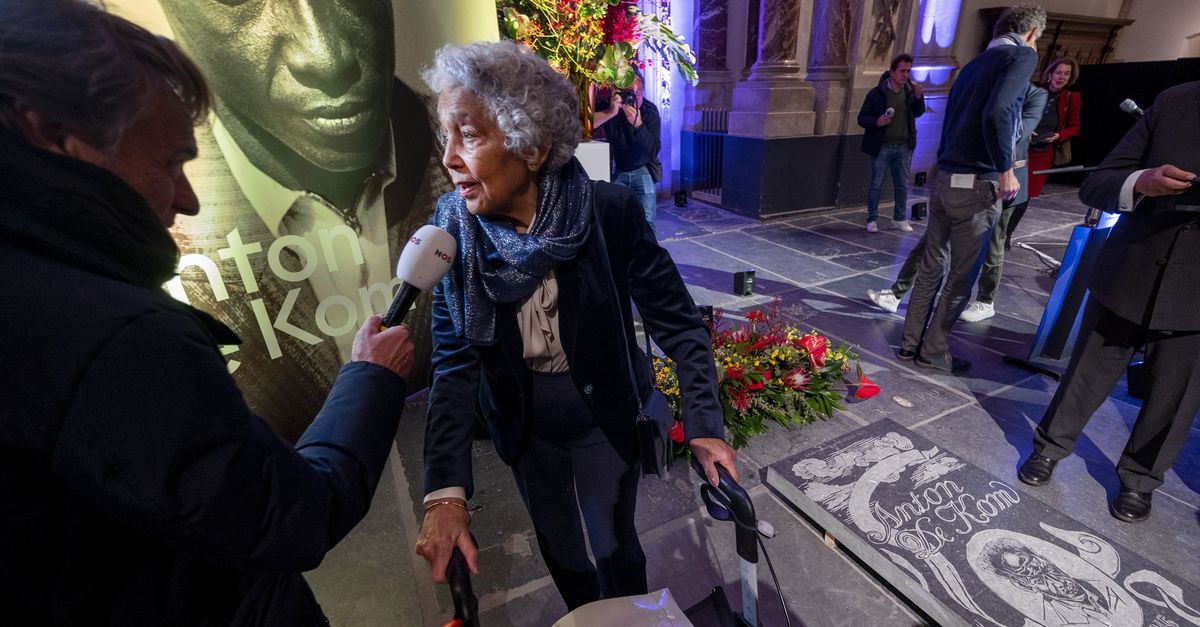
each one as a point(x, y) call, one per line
point(640, 182)
point(894, 158)
point(960, 226)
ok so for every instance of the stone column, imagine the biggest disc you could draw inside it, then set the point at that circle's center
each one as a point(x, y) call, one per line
point(934, 35)
point(711, 28)
point(774, 101)
point(833, 23)
point(751, 38)
point(713, 92)
point(778, 35)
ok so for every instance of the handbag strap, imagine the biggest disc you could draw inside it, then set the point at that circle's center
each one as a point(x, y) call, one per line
point(616, 300)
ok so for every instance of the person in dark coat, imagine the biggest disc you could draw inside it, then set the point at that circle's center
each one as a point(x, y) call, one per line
point(982, 307)
point(1143, 295)
point(975, 174)
point(136, 486)
point(533, 325)
point(891, 139)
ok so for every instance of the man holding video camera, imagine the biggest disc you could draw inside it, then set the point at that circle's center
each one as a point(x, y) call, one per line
point(631, 125)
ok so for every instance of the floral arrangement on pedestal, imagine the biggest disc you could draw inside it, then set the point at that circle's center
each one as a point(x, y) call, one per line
point(771, 372)
point(592, 41)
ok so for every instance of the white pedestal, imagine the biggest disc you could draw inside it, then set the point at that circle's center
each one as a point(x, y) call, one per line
point(595, 158)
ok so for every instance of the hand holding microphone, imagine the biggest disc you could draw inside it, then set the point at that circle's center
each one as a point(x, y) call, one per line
point(383, 340)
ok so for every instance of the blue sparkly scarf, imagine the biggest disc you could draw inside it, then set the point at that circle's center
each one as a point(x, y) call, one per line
point(496, 264)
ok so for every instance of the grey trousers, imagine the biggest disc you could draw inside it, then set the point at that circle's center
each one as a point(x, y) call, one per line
point(960, 225)
point(1172, 375)
point(993, 261)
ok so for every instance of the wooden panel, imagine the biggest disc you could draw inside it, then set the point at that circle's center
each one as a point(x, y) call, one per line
point(1088, 40)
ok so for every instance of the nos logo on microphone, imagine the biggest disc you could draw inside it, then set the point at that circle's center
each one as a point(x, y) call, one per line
point(440, 255)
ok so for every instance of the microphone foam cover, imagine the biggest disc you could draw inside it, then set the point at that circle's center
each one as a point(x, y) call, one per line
point(427, 257)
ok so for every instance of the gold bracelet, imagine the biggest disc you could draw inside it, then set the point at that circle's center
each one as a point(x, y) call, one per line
point(432, 504)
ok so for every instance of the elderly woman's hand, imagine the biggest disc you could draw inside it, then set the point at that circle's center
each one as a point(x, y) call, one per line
point(710, 451)
point(445, 527)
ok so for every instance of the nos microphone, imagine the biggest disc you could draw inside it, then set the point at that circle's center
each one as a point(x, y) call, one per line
point(423, 262)
point(1130, 107)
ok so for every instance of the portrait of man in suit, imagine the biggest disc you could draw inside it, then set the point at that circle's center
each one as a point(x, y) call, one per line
point(316, 167)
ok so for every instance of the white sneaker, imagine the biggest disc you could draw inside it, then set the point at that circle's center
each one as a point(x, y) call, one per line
point(977, 311)
point(903, 225)
point(871, 228)
point(884, 299)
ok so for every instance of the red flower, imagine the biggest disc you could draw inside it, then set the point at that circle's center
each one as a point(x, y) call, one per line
point(760, 344)
point(796, 379)
point(866, 387)
point(620, 24)
point(734, 372)
point(676, 432)
point(740, 400)
point(816, 347)
point(755, 384)
point(755, 316)
point(741, 335)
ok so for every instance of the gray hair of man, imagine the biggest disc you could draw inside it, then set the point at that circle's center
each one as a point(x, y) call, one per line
point(1021, 19)
point(534, 106)
point(86, 70)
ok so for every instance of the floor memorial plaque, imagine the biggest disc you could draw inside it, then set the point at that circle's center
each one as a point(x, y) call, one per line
point(968, 548)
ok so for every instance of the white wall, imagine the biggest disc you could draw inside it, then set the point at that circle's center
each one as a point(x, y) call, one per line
point(1160, 32)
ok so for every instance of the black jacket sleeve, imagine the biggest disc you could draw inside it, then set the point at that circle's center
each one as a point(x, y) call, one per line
point(453, 397)
point(873, 106)
point(159, 438)
point(1102, 188)
point(674, 321)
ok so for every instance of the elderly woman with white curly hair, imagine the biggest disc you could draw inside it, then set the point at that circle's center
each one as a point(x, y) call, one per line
point(527, 327)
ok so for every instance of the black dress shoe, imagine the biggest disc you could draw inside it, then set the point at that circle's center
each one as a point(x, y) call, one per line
point(946, 362)
point(1131, 506)
point(1037, 470)
point(905, 354)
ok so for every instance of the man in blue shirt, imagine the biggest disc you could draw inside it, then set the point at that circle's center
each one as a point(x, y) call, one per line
point(975, 173)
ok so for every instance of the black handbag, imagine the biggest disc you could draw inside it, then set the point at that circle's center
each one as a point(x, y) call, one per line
point(654, 415)
point(654, 167)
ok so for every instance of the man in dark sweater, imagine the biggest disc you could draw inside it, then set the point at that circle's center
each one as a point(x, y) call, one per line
point(889, 114)
point(632, 128)
point(975, 172)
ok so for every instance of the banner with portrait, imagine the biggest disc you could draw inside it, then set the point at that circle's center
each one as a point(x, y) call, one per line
point(319, 160)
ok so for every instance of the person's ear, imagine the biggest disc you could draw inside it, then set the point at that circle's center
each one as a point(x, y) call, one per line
point(539, 159)
point(51, 136)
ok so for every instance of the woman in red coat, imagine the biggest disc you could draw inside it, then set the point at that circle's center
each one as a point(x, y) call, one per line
point(1060, 122)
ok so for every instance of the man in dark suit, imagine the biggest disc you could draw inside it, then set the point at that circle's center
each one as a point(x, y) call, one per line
point(315, 170)
point(1143, 295)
